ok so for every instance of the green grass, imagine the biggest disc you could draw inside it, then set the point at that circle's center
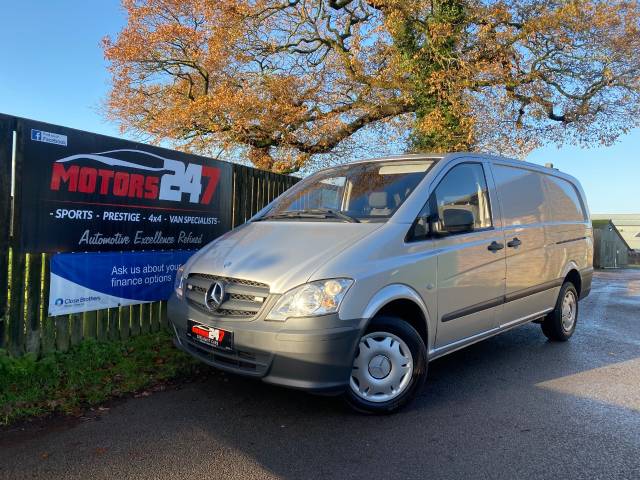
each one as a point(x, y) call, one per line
point(89, 374)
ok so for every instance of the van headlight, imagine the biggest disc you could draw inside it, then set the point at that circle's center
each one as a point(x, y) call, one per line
point(179, 282)
point(311, 299)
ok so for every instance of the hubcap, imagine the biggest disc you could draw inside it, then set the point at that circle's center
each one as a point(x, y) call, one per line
point(569, 308)
point(382, 367)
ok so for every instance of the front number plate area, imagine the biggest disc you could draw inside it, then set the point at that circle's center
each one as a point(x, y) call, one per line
point(210, 336)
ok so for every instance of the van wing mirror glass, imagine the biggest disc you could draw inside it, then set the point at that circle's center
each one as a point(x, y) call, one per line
point(457, 220)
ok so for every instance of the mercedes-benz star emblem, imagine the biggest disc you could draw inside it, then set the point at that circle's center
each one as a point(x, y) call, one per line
point(214, 296)
point(379, 367)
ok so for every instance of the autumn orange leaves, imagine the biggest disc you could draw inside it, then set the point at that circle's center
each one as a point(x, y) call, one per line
point(286, 83)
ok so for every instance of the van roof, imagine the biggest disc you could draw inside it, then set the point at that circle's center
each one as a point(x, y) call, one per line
point(438, 157)
point(451, 156)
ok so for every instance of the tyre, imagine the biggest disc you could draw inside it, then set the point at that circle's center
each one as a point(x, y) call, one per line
point(560, 323)
point(389, 368)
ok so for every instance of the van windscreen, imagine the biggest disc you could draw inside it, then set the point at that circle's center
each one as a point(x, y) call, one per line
point(361, 192)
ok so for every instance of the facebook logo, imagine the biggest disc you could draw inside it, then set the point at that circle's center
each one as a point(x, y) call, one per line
point(48, 137)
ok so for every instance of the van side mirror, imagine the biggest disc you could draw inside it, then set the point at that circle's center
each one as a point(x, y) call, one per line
point(457, 220)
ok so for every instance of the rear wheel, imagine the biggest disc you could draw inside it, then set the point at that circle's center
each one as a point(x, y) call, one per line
point(389, 367)
point(560, 324)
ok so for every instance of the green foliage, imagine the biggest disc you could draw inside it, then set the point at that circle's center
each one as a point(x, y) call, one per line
point(429, 49)
point(88, 374)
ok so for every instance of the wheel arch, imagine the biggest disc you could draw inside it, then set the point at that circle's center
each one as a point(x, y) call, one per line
point(571, 273)
point(402, 301)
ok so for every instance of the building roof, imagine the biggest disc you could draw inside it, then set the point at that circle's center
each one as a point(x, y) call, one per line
point(629, 219)
point(628, 224)
point(602, 224)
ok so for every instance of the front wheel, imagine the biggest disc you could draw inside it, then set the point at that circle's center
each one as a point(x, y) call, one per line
point(389, 367)
point(560, 323)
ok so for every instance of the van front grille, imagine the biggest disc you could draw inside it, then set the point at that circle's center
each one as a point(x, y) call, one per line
point(241, 299)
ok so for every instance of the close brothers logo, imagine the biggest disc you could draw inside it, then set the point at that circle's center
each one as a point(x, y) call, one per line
point(75, 301)
point(168, 182)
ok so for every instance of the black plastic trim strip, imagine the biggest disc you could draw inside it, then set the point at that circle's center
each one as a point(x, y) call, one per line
point(571, 240)
point(532, 290)
point(495, 302)
point(478, 307)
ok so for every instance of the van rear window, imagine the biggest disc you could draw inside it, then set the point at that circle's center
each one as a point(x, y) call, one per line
point(565, 202)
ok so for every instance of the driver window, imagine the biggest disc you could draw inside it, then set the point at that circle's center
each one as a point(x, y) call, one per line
point(464, 188)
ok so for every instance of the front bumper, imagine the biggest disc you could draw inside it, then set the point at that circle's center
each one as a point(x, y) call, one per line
point(314, 354)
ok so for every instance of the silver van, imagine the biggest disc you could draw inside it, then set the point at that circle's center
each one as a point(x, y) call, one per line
point(354, 279)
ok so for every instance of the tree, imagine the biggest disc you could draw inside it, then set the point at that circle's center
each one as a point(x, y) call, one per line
point(290, 81)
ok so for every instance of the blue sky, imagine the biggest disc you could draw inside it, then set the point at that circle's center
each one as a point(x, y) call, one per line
point(52, 69)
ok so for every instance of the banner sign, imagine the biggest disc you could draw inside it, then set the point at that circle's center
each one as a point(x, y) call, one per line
point(87, 192)
point(82, 282)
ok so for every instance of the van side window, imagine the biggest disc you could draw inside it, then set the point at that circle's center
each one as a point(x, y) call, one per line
point(566, 204)
point(463, 188)
point(521, 195)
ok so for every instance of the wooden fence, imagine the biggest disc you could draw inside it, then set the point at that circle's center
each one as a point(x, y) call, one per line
point(25, 326)
point(253, 189)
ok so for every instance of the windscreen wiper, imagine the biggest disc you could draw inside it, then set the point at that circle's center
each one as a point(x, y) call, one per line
point(334, 213)
point(292, 214)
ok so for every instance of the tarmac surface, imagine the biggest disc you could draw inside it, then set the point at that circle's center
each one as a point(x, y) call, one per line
point(515, 406)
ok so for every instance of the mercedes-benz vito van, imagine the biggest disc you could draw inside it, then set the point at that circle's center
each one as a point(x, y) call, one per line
point(355, 278)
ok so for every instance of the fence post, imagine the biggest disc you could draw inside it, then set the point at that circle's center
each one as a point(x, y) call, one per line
point(103, 325)
point(32, 311)
point(18, 257)
point(90, 323)
point(245, 203)
point(48, 341)
point(125, 319)
point(6, 147)
point(15, 341)
point(135, 320)
point(145, 323)
point(114, 316)
point(155, 316)
point(164, 320)
point(76, 328)
point(62, 332)
point(237, 195)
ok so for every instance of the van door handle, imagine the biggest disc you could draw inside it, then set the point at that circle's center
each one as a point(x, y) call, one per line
point(495, 246)
point(516, 242)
